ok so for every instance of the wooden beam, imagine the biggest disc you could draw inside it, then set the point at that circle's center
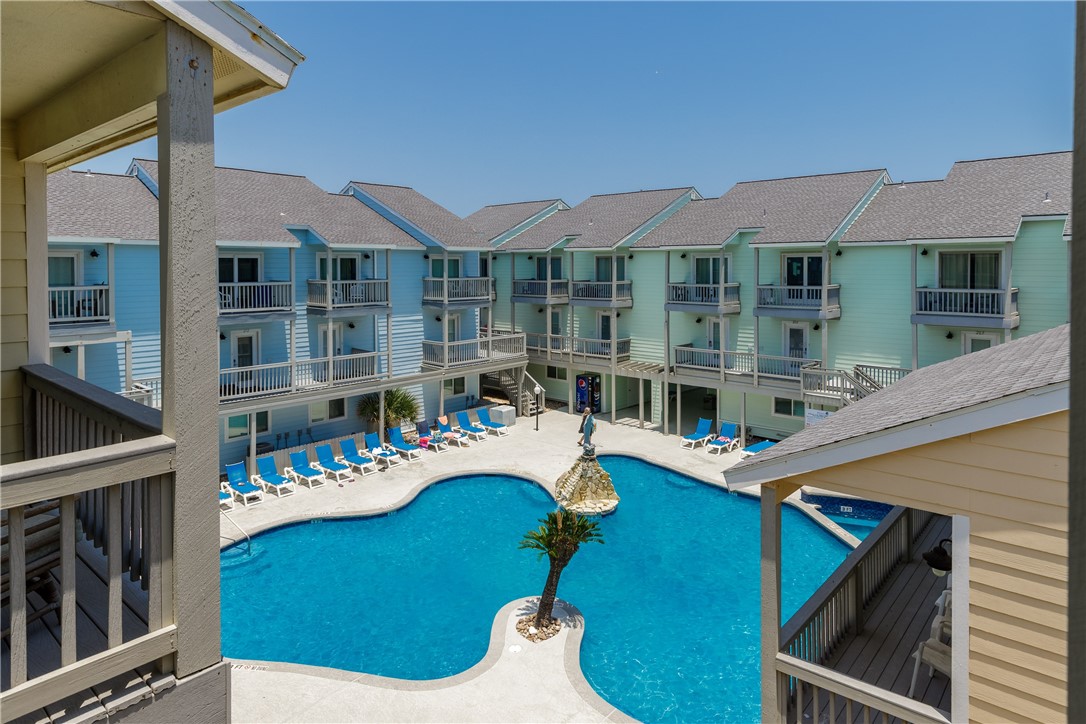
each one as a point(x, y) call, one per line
point(771, 600)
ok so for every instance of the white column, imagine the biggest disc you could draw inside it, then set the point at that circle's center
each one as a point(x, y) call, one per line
point(959, 628)
point(128, 361)
point(80, 361)
point(388, 315)
point(641, 402)
point(742, 419)
point(1007, 259)
point(37, 265)
point(771, 599)
point(678, 408)
point(111, 281)
point(825, 280)
point(912, 292)
point(292, 352)
point(757, 320)
point(252, 443)
point(667, 343)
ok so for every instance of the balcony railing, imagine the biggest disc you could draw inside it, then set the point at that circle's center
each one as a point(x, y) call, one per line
point(283, 377)
point(146, 391)
point(79, 304)
point(342, 294)
point(740, 363)
point(100, 479)
point(603, 291)
point(541, 288)
point(472, 351)
point(238, 297)
point(881, 376)
point(456, 289)
point(798, 297)
point(967, 302)
point(577, 347)
point(704, 294)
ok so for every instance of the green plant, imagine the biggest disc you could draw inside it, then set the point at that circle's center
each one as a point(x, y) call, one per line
point(560, 536)
point(400, 406)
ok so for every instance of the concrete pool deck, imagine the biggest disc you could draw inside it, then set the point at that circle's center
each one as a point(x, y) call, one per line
point(540, 682)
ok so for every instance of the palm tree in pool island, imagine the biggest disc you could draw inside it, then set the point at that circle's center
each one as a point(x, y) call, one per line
point(559, 537)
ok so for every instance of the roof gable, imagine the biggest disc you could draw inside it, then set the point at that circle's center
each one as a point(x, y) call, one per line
point(427, 221)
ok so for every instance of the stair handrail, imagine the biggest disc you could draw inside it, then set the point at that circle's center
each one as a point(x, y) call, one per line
point(866, 379)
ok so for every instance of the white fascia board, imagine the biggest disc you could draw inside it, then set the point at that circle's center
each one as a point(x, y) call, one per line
point(789, 244)
point(855, 211)
point(308, 229)
point(900, 242)
point(83, 240)
point(265, 244)
point(966, 240)
point(358, 192)
point(996, 413)
point(691, 194)
point(374, 247)
point(233, 31)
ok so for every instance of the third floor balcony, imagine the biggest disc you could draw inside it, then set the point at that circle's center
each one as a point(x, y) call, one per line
point(501, 347)
point(541, 291)
point(558, 347)
point(799, 302)
point(704, 298)
point(353, 295)
point(255, 298)
point(609, 294)
point(983, 308)
point(452, 292)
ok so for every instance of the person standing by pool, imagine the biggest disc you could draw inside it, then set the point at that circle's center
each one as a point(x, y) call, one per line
point(588, 426)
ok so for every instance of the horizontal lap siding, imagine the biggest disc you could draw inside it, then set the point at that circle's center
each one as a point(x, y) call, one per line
point(137, 296)
point(874, 328)
point(1012, 483)
point(1039, 271)
point(644, 323)
point(13, 323)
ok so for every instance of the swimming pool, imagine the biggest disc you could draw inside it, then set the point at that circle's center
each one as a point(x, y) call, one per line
point(670, 600)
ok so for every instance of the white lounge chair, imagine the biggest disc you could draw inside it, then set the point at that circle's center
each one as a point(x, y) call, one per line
point(326, 461)
point(362, 464)
point(726, 441)
point(700, 436)
point(270, 480)
point(302, 472)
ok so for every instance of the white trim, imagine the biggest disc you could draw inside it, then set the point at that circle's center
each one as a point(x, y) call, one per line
point(233, 339)
point(76, 255)
point(322, 337)
point(600, 314)
point(959, 624)
point(899, 242)
point(972, 240)
point(773, 408)
point(86, 240)
point(258, 244)
point(694, 267)
point(452, 381)
point(1025, 405)
point(81, 340)
point(980, 250)
point(358, 262)
point(259, 256)
point(786, 350)
point(859, 207)
point(799, 245)
point(995, 337)
point(806, 259)
point(723, 334)
point(445, 259)
point(226, 425)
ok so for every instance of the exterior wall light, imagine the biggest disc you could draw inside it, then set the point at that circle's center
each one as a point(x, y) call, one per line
point(437, 318)
point(222, 337)
point(950, 335)
point(67, 350)
point(94, 253)
point(837, 253)
point(923, 252)
point(938, 559)
point(350, 325)
point(697, 321)
point(683, 255)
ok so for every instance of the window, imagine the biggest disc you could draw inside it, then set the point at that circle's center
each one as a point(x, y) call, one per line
point(541, 267)
point(556, 373)
point(241, 268)
point(802, 271)
point(327, 410)
point(437, 267)
point(238, 425)
point(603, 268)
point(484, 265)
point(344, 268)
point(708, 270)
point(783, 407)
point(454, 386)
point(976, 341)
point(969, 269)
point(64, 269)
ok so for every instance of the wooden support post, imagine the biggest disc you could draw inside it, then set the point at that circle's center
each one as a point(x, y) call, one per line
point(381, 412)
point(678, 408)
point(912, 292)
point(388, 315)
point(771, 599)
point(667, 345)
point(742, 420)
point(111, 281)
point(17, 595)
point(128, 362)
point(1008, 258)
point(641, 402)
point(252, 443)
point(757, 324)
point(189, 321)
point(81, 361)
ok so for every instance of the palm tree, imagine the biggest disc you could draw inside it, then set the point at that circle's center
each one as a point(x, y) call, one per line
point(561, 534)
point(400, 406)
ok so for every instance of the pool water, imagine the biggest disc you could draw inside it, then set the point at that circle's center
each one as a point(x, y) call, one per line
point(671, 600)
point(859, 527)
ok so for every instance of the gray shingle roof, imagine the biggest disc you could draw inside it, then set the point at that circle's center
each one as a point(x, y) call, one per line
point(598, 222)
point(101, 206)
point(788, 210)
point(1028, 363)
point(434, 219)
point(984, 198)
point(494, 220)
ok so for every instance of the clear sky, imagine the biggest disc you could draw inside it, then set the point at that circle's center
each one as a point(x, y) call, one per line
point(483, 103)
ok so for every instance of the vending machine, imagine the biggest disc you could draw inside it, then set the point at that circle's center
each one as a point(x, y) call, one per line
point(589, 388)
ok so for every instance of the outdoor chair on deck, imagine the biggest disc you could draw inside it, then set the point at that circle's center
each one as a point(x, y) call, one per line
point(362, 464)
point(238, 480)
point(495, 427)
point(700, 436)
point(269, 478)
point(726, 441)
point(756, 448)
point(429, 440)
point(226, 499)
point(404, 448)
point(302, 472)
point(450, 435)
point(473, 431)
point(326, 461)
point(934, 653)
point(380, 453)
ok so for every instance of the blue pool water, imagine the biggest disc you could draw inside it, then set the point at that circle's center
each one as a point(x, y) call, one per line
point(859, 527)
point(671, 600)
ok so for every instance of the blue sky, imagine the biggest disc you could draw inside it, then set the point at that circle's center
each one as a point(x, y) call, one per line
point(484, 103)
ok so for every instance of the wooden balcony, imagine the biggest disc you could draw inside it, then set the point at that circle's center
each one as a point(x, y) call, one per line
point(88, 579)
point(540, 291)
point(81, 305)
point(457, 291)
point(798, 302)
point(280, 378)
point(846, 655)
point(703, 298)
point(611, 295)
point(255, 298)
point(691, 359)
point(559, 347)
point(843, 387)
point(979, 308)
point(354, 296)
point(473, 352)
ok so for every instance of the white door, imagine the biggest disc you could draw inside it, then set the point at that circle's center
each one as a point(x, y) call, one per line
point(715, 334)
point(322, 340)
point(976, 341)
point(603, 332)
point(245, 348)
point(453, 321)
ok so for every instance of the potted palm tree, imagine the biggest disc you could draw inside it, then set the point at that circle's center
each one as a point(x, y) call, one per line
point(400, 407)
point(559, 537)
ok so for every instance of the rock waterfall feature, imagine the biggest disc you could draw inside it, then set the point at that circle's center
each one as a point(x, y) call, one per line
point(586, 487)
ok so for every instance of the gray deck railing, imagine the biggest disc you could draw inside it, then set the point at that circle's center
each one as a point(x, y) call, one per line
point(456, 289)
point(967, 302)
point(89, 303)
point(239, 297)
point(472, 351)
point(798, 297)
point(603, 291)
point(577, 347)
point(103, 461)
point(540, 288)
point(146, 391)
point(703, 294)
point(882, 376)
point(325, 294)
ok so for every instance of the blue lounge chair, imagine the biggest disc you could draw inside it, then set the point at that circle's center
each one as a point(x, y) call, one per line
point(238, 480)
point(474, 432)
point(429, 440)
point(380, 453)
point(756, 448)
point(226, 499)
point(495, 427)
point(302, 472)
point(699, 436)
point(404, 448)
point(326, 461)
point(451, 435)
point(726, 441)
point(269, 478)
point(363, 464)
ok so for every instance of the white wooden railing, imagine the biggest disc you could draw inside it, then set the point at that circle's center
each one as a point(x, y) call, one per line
point(967, 302)
point(703, 294)
point(100, 475)
point(146, 391)
point(833, 383)
point(577, 347)
point(353, 293)
point(881, 376)
point(472, 351)
point(255, 297)
point(456, 289)
point(798, 297)
point(79, 304)
point(540, 288)
point(283, 377)
point(740, 363)
point(603, 291)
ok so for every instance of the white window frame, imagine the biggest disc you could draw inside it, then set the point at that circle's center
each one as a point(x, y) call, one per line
point(234, 334)
point(806, 258)
point(564, 376)
point(235, 255)
point(967, 337)
point(327, 415)
point(459, 259)
point(980, 250)
point(77, 264)
point(793, 416)
point(694, 267)
point(358, 262)
point(227, 437)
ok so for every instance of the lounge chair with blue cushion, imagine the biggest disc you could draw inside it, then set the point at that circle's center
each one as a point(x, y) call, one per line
point(474, 431)
point(404, 448)
point(383, 455)
point(238, 480)
point(269, 478)
point(362, 464)
point(326, 461)
point(302, 472)
point(495, 427)
point(726, 440)
point(226, 498)
point(429, 440)
point(450, 435)
point(699, 436)
point(756, 448)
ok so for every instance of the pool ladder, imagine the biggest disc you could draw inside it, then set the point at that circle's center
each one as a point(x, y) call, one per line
point(248, 540)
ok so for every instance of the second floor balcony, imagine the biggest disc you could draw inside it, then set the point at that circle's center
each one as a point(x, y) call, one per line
point(541, 291)
point(799, 302)
point(245, 298)
point(984, 308)
point(697, 360)
point(457, 291)
point(284, 377)
point(355, 295)
point(79, 305)
point(471, 352)
point(612, 295)
point(704, 298)
point(558, 347)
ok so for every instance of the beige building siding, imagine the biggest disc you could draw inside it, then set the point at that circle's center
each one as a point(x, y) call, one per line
point(13, 296)
point(1012, 483)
